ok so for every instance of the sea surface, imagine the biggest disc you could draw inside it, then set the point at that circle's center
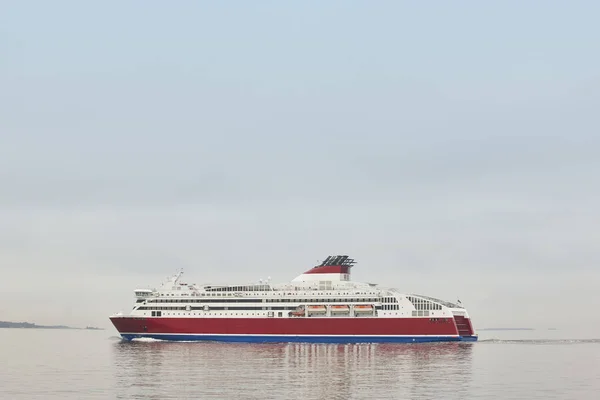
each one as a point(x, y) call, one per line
point(80, 364)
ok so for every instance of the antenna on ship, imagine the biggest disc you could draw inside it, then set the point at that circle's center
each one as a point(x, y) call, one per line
point(176, 277)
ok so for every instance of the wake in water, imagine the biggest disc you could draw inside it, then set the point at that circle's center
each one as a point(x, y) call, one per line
point(484, 341)
point(153, 340)
point(148, 340)
point(540, 341)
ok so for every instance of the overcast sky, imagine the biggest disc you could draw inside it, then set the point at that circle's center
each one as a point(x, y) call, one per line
point(451, 148)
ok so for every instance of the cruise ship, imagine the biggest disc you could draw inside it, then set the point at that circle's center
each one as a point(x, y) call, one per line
point(321, 305)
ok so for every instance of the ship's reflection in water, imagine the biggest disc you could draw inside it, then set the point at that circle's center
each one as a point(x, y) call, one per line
point(304, 371)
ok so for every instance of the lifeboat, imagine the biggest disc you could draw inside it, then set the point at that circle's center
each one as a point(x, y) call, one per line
point(364, 308)
point(340, 309)
point(317, 309)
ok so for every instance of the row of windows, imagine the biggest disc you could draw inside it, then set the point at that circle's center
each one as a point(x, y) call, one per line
point(420, 313)
point(253, 288)
point(234, 308)
point(206, 301)
point(422, 304)
point(217, 308)
point(336, 300)
point(390, 304)
point(323, 285)
point(269, 314)
point(288, 300)
point(212, 293)
point(442, 302)
point(390, 307)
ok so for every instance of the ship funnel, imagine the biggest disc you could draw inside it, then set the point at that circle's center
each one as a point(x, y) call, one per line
point(334, 268)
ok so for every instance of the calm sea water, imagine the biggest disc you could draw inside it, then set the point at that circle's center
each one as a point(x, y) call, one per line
point(70, 364)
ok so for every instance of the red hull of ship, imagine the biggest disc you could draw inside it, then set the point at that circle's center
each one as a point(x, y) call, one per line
point(131, 327)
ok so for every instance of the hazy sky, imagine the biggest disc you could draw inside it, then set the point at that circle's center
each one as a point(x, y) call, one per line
point(452, 148)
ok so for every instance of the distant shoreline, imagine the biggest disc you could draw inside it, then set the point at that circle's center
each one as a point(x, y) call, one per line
point(506, 329)
point(29, 325)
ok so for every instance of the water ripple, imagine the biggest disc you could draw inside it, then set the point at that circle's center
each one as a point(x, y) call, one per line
point(94, 365)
